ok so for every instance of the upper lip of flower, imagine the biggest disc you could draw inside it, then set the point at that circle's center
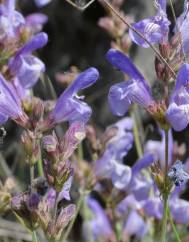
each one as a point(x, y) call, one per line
point(74, 108)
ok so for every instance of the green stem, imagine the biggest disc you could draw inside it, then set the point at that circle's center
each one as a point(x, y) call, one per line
point(79, 204)
point(40, 167)
point(166, 191)
point(164, 221)
point(173, 227)
point(34, 237)
point(136, 135)
point(116, 229)
point(40, 162)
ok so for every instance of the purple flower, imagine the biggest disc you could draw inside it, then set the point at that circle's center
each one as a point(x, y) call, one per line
point(50, 143)
point(135, 90)
point(182, 24)
point(178, 111)
point(99, 225)
point(107, 167)
point(64, 194)
point(10, 104)
point(135, 225)
point(130, 202)
point(140, 186)
point(110, 166)
point(153, 207)
point(10, 20)
point(23, 94)
point(69, 106)
point(155, 29)
point(72, 138)
point(123, 126)
point(177, 174)
point(65, 216)
point(157, 148)
point(179, 210)
point(26, 67)
point(142, 163)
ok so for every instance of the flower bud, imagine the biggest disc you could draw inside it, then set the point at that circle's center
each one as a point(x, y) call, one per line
point(108, 24)
point(19, 204)
point(55, 228)
point(50, 145)
point(160, 69)
point(176, 40)
point(73, 137)
point(63, 172)
point(157, 110)
point(49, 172)
point(31, 146)
point(165, 50)
point(27, 139)
point(91, 137)
point(38, 110)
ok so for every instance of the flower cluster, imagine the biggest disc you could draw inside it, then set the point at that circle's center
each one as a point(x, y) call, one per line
point(126, 184)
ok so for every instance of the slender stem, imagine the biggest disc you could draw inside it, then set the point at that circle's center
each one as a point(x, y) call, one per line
point(136, 136)
point(139, 123)
point(165, 192)
point(165, 217)
point(79, 204)
point(40, 167)
point(34, 237)
point(173, 227)
point(117, 232)
point(40, 163)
